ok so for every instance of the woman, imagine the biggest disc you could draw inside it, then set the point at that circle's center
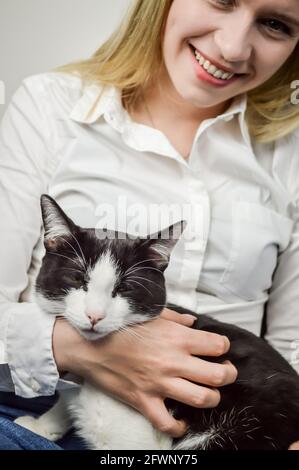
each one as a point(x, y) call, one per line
point(188, 103)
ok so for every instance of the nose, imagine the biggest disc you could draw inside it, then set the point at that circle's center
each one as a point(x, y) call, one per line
point(95, 316)
point(235, 43)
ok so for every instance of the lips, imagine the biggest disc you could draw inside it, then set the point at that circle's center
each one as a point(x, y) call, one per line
point(215, 63)
point(202, 74)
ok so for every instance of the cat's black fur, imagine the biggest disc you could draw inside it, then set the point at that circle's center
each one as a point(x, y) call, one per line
point(259, 411)
point(264, 400)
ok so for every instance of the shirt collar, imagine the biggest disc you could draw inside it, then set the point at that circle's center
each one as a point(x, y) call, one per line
point(238, 109)
point(98, 100)
point(95, 101)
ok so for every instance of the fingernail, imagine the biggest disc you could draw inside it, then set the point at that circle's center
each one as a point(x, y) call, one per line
point(191, 316)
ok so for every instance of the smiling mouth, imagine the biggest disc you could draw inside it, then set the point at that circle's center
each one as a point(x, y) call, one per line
point(211, 68)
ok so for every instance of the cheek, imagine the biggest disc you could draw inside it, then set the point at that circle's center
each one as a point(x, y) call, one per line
point(119, 310)
point(75, 303)
point(186, 20)
point(269, 61)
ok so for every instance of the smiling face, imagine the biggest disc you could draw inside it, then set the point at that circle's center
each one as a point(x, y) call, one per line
point(250, 38)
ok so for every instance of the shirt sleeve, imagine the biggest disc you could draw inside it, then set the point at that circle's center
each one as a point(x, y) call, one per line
point(282, 309)
point(27, 365)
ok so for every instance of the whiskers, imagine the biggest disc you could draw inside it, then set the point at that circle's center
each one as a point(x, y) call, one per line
point(142, 328)
point(141, 285)
point(131, 332)
point(133, 270)
point(144, 267)
point(82, 254)
point(81, 258)
point(130, 275)
point(66, 257)
point(146, 280)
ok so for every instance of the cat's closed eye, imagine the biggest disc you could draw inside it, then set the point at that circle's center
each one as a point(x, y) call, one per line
point(119, 289)
point(76, 280)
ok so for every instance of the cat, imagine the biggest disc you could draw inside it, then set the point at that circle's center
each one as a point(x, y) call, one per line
point(102, 285)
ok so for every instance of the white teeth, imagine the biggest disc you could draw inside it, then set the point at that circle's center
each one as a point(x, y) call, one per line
point(212, 69)
point(218, 74)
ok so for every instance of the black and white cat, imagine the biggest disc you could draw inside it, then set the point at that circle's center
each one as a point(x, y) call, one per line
point(102, 285)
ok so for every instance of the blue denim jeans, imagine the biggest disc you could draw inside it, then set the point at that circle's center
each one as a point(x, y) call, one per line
point(14, 437)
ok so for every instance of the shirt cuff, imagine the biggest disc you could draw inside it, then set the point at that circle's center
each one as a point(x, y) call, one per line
point(29, 351)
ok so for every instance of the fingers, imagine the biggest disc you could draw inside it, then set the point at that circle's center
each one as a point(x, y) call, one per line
point(294, 446)
point(198, 342)
point(204, 343)
point(191, 394)
point(184, 319)
point(157, 413)
point(208, 373)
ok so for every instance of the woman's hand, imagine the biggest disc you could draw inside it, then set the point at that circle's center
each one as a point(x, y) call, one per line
point(147, 363)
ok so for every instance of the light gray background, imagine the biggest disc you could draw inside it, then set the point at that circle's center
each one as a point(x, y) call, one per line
point(39, 35)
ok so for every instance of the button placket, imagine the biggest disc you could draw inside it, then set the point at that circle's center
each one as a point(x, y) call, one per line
point(196, 234)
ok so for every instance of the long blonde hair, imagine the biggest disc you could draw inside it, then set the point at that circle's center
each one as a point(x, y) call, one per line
point(131, 59)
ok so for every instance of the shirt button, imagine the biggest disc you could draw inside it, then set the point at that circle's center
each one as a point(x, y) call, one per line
point(34, 385)
point(228, 118)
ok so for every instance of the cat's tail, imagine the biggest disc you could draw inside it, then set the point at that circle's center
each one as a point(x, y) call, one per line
point(236, 429)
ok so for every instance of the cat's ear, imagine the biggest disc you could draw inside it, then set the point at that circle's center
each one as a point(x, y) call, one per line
point(58, 226)
point(161, 244)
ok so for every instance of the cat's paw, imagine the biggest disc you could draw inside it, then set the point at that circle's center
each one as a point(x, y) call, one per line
point(41, 427)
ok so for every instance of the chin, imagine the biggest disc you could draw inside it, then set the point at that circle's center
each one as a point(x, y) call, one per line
point(90, 335)
point(93, 335)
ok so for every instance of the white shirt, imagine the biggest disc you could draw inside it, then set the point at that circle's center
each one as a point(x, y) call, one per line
point(81, 146)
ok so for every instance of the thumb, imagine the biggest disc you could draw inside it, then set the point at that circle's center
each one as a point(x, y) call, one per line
point(182, 318)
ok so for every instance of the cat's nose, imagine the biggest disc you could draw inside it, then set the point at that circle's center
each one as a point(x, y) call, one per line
point(95, 316)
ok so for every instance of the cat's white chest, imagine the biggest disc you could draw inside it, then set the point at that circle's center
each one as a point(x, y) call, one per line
point(106, 423)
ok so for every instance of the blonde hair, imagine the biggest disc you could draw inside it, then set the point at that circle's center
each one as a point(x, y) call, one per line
point(131, 60)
